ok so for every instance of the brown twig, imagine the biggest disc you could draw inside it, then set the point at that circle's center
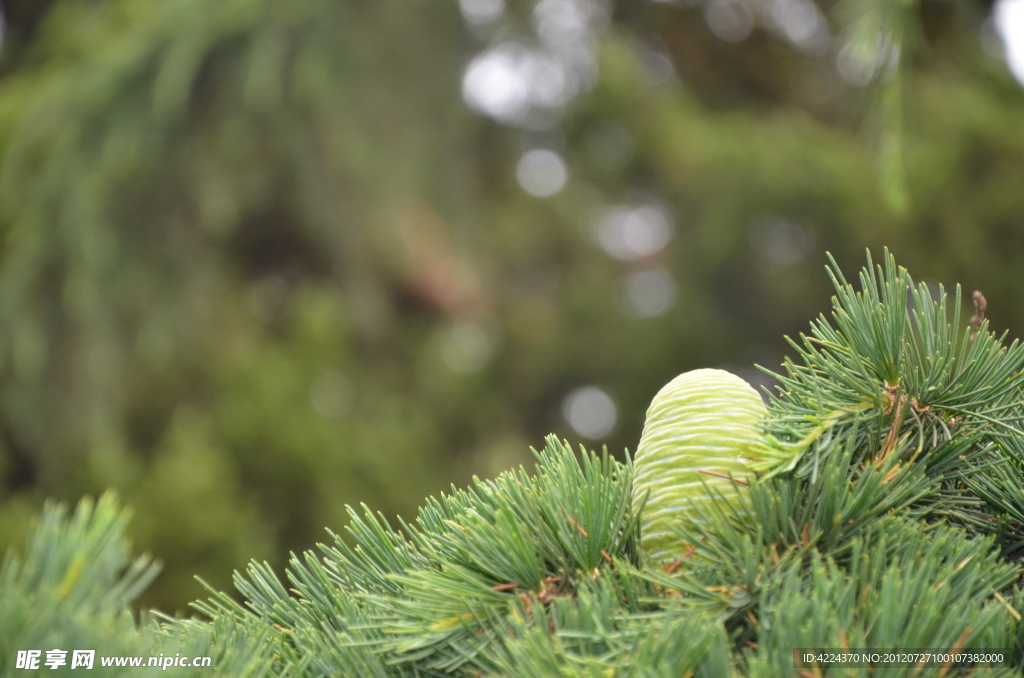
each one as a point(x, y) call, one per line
point(980, 305)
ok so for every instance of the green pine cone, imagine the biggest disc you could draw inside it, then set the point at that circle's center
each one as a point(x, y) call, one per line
point(702, 423)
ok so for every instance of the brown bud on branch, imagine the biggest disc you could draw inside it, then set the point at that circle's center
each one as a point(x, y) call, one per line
point(980, 304)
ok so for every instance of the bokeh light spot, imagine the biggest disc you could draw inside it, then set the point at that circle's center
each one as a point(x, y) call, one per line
point(482, 12)
point(1009, 21)
point(591, 412)
point(730, 20)
point(630, 233)
point(560, 20)
point(466, 347)
point(802, 24)
point(859, 64)
point(496, 82)
point(648, 293)
point(658, 67)
point(542, 172)
point(524, 86)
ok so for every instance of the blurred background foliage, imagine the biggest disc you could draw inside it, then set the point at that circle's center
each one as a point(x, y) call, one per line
point(261, 259)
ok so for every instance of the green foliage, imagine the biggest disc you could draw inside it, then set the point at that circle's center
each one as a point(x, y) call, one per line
point(73, 585)
point(925, 406)
point(475, 558)
point(877, 534)
point(245, 245)
point(859, 542)
point(913, 589)
point(72, 590)
point(241, 241)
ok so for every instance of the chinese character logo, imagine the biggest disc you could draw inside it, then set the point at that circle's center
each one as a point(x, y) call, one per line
point(28, 659)
point(82, 659)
